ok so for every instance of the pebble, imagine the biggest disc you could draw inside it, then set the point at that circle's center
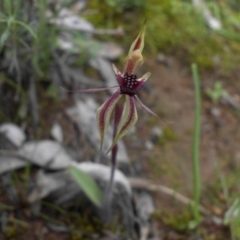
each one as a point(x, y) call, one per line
point(162, 58)
point(13, 133)
point(216, 112)
point(149, 145)
point(57, 132)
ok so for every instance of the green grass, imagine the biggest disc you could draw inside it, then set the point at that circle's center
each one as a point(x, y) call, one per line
point(195, 150)
point(24, 36)
point(176, 28)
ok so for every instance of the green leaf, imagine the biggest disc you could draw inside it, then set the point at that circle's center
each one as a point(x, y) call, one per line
point(8, 6)
point(3, 38)
point(10, 21)
point(193, 224)
point(88, 185)
point(29, 29)
point(52, 91)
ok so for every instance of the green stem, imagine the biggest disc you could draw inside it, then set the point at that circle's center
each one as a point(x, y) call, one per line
point(4, 206)
point(116, 120)
point(196, 142)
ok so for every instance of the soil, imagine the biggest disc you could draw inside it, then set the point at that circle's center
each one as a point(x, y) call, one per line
point(168, 158)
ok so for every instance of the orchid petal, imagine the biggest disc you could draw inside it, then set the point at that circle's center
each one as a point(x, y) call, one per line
point(91, 90)
point(120, 78)
point(128, 120)
point(147, 109)
point(133, 61)
point(116, 71)
point(104, 114)
point(141, 81)
point(145, 77)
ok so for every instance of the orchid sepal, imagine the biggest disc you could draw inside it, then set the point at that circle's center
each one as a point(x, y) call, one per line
point(104, 114)
point(149, 110)
point(145, 77)
point(134, 59)
point(127, 121)
point(90, 90)
point(139, 41)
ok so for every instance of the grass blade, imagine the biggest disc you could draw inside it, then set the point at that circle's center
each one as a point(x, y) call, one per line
point(3, 38)
point(29, 29)
point(196, 142)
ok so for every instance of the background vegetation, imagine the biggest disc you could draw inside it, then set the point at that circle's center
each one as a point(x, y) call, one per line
point(29, 49)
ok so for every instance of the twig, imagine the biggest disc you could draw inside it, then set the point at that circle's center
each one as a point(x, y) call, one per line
point(33, 101)
point(140, 183)
point(231, 101)
point(18, 222)
point(116, 31)
point(6, 207)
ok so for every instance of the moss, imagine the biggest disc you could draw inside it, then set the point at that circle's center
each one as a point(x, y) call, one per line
point(168, 135)
point(83, 225)
point(157, 169)
point(83, 221)
point(176, 221)
point(12, 231)
point(76, 236)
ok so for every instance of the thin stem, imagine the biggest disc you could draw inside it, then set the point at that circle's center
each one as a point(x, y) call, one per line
point(117, 114)
point(196, 141)
point(113, 167)
point(116, 120)
point(117, 117)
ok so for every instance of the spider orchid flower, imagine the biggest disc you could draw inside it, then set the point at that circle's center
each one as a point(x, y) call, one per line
point(121, 106)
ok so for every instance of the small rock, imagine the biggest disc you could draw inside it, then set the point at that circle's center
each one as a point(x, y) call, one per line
point(68, 20)
point(46, 153)
point(156, 133)
point(56, 132)
point(164, 60)
point(145, 206)
point(9, 163)
point(14, 133)
point(216, 112)
point(207, 127)
point(149, 145)
point(216, 220)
